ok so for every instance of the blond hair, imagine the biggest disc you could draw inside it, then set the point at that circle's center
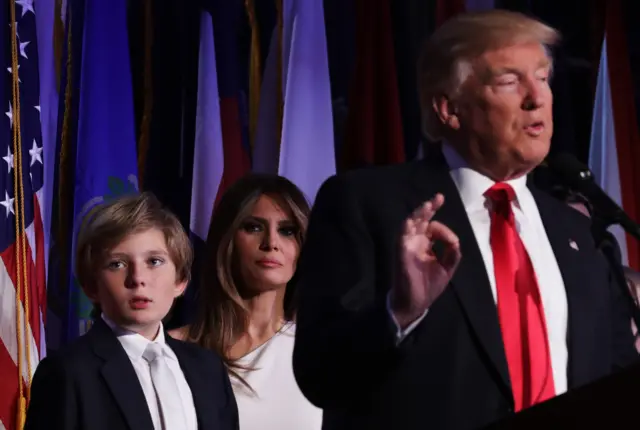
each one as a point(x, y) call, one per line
point(109, 223)
point(445, 60)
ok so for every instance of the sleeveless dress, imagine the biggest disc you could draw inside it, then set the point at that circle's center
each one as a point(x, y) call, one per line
point(276, 402)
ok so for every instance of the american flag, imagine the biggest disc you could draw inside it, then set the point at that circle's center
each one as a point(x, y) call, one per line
point(22, 268)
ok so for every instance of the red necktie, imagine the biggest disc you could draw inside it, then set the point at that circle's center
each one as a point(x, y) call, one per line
point(520, 310)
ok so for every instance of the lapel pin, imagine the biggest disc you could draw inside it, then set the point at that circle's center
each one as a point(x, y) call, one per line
point(573, 244)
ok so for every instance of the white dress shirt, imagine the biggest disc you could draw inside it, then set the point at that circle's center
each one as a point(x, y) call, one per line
point(135, 345)
point(472, 186)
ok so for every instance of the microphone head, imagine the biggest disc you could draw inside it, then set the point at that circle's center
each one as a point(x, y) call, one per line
point(570, 170)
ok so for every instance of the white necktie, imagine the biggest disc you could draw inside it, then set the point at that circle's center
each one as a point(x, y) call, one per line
point(169, 402)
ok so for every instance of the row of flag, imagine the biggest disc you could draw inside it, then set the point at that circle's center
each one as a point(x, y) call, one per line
point(77, 146)
point(70, 137)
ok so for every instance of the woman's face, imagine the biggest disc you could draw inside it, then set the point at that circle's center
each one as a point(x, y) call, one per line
point(266, 245)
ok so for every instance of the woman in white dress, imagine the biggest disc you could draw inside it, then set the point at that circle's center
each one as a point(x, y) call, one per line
point(247, 304)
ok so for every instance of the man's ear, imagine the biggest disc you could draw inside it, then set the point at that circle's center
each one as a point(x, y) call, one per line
point(446, 111)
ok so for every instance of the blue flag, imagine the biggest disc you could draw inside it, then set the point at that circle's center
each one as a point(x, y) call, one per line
point(105, 150)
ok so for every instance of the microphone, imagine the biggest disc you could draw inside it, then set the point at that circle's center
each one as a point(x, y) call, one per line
point(578, 177)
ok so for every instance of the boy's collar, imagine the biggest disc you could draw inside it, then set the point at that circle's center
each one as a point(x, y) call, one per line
point(135, 344)
point(119, 331)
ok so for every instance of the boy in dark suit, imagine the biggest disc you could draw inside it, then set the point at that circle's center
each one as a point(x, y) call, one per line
point(133, 259)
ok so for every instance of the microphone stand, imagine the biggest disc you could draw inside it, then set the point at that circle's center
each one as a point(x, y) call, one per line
point(599, 232)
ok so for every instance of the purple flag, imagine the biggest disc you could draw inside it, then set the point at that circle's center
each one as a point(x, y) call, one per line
point(307, 154)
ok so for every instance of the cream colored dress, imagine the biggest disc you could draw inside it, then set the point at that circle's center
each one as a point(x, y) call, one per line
point(276, 403)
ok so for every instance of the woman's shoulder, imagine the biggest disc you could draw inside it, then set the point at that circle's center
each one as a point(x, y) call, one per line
point(180, 333)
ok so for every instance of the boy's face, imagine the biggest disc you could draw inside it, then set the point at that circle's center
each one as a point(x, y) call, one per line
point(137, 283)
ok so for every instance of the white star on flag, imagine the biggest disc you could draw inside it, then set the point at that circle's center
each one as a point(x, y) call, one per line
point(36, 153)
point(23, 47)
point(27, 204)
point(10, 70)
point(8, 204)
point(27, 6)
point(9, 159)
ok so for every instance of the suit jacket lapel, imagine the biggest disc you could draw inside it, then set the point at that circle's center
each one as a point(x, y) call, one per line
point(202, 393)
point(120, 377)
point(470, 282)
point(572, 256)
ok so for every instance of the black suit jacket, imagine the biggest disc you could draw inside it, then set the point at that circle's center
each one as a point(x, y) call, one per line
point(92, 385)
point(451, 371)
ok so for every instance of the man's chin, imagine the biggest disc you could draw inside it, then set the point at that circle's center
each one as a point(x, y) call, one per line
point(532, 157)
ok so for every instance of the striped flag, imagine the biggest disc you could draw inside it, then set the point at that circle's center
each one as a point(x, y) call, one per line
point(22, 271)
point(614, 153)
point(307, 154)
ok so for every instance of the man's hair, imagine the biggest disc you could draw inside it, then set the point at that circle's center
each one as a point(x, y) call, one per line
point(108, 224)
point(445, 60)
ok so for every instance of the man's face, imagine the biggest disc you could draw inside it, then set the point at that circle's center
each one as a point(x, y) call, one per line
point(505, 111)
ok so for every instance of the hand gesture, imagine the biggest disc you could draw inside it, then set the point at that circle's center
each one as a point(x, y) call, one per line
point(423, 276)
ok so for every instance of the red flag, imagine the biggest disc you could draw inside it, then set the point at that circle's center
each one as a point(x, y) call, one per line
point(374, 124)
point(226, 16)
point(627, 136)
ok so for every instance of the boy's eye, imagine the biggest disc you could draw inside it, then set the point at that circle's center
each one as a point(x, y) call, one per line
point(115, 265)
point(154, 261)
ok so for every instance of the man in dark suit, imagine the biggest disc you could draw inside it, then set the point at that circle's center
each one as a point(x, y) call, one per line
point(450, 293)
point(133, 259)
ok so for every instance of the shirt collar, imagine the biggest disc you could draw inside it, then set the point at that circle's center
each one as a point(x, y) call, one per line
point(472, 184)
point(135, 344)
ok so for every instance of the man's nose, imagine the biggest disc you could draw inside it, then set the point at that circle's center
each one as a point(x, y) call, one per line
point(536, 95)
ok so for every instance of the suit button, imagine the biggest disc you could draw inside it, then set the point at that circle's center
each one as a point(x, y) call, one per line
point(510, 410)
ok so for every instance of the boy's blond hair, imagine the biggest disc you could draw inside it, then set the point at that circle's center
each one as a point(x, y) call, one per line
point(108, 224)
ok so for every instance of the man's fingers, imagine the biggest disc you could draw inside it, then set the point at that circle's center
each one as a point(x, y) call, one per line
point(423, 212)
point(409, 227)
point(439, 231)
point(428, 208)
point(437, 201)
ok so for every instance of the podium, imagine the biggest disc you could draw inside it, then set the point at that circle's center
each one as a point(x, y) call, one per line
point(612, 402)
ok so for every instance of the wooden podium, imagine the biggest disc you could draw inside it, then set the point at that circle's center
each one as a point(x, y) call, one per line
point(612, 402)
